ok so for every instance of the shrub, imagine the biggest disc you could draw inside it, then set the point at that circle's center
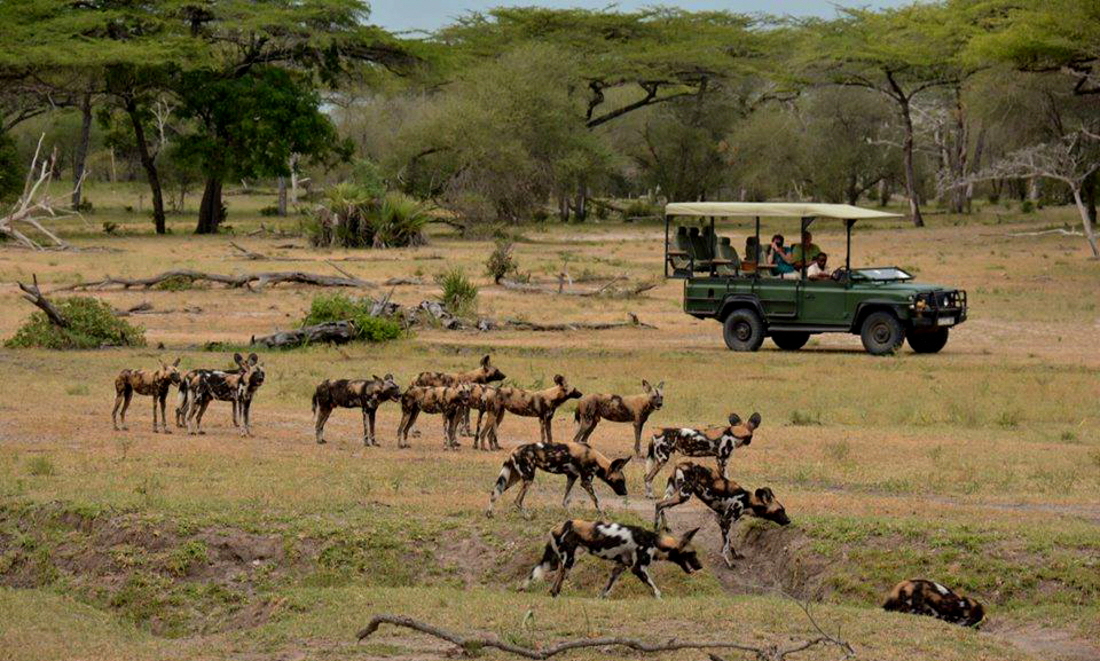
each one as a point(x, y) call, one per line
point(269, 211)
point(459, 293)
point(639, 209)
point(40, 467)
point(340, 307)
point(500, 262)
point(92, 324)
point(400, 221)
point(354, 216)
point(12, 170)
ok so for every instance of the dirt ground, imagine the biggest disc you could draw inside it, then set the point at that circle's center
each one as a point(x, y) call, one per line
point(978, 467)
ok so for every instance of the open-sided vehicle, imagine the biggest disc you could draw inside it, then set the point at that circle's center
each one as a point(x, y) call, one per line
point(880, 304)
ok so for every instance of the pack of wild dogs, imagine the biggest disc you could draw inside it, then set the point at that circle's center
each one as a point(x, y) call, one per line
point(453, 396)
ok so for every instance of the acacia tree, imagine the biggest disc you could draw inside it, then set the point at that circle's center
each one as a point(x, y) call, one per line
point(900, 53)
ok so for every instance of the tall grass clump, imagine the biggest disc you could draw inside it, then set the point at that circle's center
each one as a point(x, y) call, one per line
point(365, 216)
point(459, 293)
point(92, 324)
point(340, 307)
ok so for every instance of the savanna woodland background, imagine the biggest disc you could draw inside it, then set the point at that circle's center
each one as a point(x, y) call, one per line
point(503, 174)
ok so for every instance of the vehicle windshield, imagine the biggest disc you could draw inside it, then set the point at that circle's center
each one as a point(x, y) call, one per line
point(881, 273)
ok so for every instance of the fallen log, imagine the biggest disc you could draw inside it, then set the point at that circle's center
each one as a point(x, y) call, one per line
point(34, 295)
point(518, 324)
point(606, 290)
point(336, 332)
point(260, 280)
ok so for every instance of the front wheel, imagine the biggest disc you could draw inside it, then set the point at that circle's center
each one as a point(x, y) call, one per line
point(928, 341)
point(882, 333)
point(791, 340)
point(743, 330)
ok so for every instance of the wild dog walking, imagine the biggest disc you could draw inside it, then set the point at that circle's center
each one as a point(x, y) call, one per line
point(449, 401)
point(635, 409)
point(575, 461)
point(365, 394)
point(629, 547)
point(541, 404)
point(200, 387)
point(145, 382)
point(717, 442)
point(727, 499)
point(921, 597)
point(485, 373)
point(481, 398)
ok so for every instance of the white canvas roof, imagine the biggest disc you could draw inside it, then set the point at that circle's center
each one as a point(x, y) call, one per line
point(764, 209)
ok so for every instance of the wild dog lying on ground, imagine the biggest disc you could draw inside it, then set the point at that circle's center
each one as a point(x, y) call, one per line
point(629, 547)
point(717, 442)
point(145, 382)
point(921, 597)
point(450, 401)
point(486, 372)
point(575, 461)
point(728, 500)
point(361, 393)
point(481, 398)
point(541, 404)
point(616, 408)
point(200, 387)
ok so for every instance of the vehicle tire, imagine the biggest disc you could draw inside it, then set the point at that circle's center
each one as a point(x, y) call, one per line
point(743, 330)
point(790, 340)
point(928, 341)
point(882, 333)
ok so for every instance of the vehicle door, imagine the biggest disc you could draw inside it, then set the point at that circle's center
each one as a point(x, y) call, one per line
point(779, 298)
point(824, 303)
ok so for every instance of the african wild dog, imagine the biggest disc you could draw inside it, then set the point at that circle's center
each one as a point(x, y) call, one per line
point(921, 597)
point(450, 401)
point(717, 442)
point(486, 372)
point(728, 500)
point(200, 387)
point(573, 460)
point(145, 382)
point(361, 393)
point(481, 397)
point(635, 409)
point(629, 547)
point(541, 404)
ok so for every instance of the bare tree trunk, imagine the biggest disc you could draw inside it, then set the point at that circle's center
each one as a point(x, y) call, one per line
point(82, 148)
point(1086, 221)
point(282, 196)
point(563, 207)
point(910, 171)
point(293, 178)
point(975, 165)
point(149, 163)
point(210, 211)
point(582, 203)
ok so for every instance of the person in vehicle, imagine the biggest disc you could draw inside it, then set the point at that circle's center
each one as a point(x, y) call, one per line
point(805, 252)
point(818, 269)
point(779, 256)
point(754, 252)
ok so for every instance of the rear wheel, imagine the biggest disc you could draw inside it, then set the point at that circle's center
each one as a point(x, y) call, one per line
point(928, 341)
point(790, 340)
point(743, 330)
point(882, 333)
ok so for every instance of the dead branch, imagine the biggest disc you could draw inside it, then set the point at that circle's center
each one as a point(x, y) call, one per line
point(247, 253)
point(338, 269)
point(403, 281)
point(1061, 231)
point(31, 206)
point(605, 291)
point(260, 280)
point(337, 332)
point(470, 644)
point(517, 324)
point(34, 295)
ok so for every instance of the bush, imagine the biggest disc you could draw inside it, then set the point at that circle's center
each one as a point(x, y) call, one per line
point(459, 293)
point(400, 221)
point(500, 262)
point(268, 211)
point(12, 170)
point(354, 216)
point(639, 209)
point(92, 324)
point(340, 307)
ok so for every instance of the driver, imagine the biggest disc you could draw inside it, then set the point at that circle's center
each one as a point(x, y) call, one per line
point(818, 270)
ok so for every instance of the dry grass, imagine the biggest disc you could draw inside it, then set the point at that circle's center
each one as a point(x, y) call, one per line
point(976, 466)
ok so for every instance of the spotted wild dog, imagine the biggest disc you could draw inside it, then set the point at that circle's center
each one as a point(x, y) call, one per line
point(616, 408)
point(717, 442)
point(575, 461)
point(237, 387)
point(485, 373)
point(727, 499)
point(481, 398)
point(365, 394)
point(629, 547)
point(449, 401)
point(921, 597)
point(541, 404)
point(155, 383)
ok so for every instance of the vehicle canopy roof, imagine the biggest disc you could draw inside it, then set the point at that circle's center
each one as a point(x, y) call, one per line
point(764, 209)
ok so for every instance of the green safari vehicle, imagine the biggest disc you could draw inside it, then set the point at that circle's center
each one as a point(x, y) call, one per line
point(880, 304)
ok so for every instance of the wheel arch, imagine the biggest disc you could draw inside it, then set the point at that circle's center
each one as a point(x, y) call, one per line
point(741, 301)
point(866, 308)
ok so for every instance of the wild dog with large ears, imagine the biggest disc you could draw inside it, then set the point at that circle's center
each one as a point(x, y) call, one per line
point(154, 383)
point(629, 547)
point(719, 442)
point(635, 409)
point(541, 404)
point(365, 394)
point(575, 461)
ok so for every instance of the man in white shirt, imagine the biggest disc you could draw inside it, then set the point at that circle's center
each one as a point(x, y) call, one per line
point(818, 270)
